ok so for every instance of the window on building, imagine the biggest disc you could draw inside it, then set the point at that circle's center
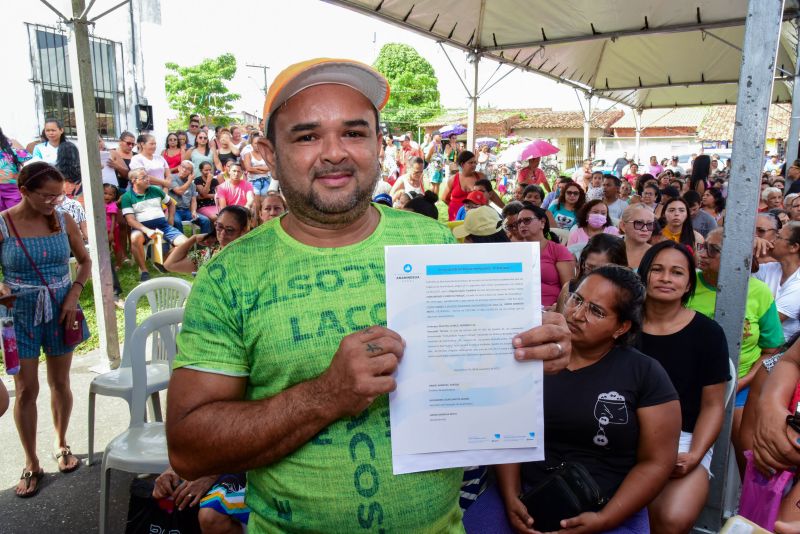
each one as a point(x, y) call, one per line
point(51, 77)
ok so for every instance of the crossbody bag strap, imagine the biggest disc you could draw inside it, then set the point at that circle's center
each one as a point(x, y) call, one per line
point(27, 255)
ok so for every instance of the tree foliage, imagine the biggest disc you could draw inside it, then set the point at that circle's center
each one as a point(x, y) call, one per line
point(201, 89)
point(414, 94)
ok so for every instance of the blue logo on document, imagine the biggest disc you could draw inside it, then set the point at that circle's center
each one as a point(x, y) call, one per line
point(532, 434)
point(407, 267)
point(497, 436)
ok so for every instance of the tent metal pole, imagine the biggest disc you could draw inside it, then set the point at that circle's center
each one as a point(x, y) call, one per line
point(587, 124)
point(637, 117)
point(472, 112)
point(761, 37)
point(794, 124)
point(80, 62)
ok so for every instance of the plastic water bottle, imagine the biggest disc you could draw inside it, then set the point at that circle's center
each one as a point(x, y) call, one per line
point(9, 337)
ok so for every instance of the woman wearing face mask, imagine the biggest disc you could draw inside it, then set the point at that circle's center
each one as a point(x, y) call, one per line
point(637, 225)
point(593, 220)
point(232, 223)
point(676, 224)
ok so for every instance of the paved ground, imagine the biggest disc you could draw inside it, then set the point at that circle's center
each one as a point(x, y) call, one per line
point(67, 503)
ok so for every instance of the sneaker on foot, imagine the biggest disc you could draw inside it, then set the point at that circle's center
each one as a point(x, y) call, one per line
point(144, 276)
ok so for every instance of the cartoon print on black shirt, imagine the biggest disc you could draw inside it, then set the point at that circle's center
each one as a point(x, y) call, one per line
point(610, 409)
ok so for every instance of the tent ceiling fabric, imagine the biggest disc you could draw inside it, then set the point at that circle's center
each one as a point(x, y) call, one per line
point(643, 53)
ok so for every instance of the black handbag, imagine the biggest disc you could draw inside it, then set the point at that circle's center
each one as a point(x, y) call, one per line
point(568, 491)
point(146, 515)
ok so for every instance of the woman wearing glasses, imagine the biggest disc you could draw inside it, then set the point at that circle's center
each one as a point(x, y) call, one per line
point(37, 240)
point(120, 159)
point(637, 225)
point(232, 223)
point(565, 211)
point(613, 411)
point(557, 262)
point(201, 153)
point(692, 349)
point(763, 333)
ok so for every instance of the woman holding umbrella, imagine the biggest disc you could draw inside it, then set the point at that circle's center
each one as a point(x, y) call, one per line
point(532, 174)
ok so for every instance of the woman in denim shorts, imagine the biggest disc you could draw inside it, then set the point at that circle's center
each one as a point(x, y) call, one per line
point(257, 170)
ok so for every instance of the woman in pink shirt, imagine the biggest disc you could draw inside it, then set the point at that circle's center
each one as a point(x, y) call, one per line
point(557, 263)
point(235, 191)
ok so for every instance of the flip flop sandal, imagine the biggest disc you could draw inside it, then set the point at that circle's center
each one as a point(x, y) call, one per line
point(64, 453)
point(28, 477)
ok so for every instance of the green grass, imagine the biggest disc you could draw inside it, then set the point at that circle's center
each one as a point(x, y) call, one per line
point(128, 279)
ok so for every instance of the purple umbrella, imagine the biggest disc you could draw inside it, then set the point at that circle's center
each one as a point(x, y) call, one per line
point(489, 141)
point(452, 129)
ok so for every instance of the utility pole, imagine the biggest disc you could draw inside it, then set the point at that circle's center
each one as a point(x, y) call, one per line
point(264, 68)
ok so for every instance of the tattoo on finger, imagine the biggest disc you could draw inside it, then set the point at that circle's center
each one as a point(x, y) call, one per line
point(372, 348)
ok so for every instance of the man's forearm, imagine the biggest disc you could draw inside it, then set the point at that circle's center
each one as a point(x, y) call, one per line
point(255, 433)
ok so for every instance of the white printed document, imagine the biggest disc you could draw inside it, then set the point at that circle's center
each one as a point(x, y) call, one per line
point(462, 399)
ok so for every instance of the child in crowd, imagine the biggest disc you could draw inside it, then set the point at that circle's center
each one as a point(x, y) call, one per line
point(113, 223)
point(595, 191)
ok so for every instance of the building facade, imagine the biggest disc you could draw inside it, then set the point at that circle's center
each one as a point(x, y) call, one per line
point(127, 62)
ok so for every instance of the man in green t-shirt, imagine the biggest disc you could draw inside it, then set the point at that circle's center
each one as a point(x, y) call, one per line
point(284, 364)
point(762, 334)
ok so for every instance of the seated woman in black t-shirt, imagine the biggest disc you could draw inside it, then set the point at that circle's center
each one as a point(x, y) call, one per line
point(613, 410)
point(692, 349)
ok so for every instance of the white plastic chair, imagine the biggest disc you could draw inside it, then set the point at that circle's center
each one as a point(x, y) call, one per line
point(142, 448)
point(163, 294)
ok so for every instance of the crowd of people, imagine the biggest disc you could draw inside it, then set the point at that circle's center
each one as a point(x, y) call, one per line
point(284, 336)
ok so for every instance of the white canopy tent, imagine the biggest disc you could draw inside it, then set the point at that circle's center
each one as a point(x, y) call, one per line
point(637, 52)
point(642, 54)
point(645, 54)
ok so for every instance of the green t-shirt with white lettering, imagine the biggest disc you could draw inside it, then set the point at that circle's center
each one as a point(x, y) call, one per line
point(274, 310)
point(762, 325)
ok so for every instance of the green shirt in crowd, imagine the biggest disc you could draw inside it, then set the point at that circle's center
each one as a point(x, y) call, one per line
point(762, 325)
point(274, 310)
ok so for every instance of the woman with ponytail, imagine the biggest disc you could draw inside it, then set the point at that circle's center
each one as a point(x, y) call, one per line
point(12, 156)
point(35, 245)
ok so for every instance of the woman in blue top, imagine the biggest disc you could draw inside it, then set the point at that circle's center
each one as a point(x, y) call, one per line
point(34, 252)
point(565, 211)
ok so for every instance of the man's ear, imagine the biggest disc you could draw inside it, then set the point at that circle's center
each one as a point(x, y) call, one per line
point(266, 150)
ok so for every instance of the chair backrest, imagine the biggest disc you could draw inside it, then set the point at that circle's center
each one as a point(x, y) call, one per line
point(162, 294)
point(562, 233)
point(730, 388)
point(164, 324)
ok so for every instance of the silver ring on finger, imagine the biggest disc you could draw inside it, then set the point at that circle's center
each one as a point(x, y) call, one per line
point(559, 348)
point(190, 495)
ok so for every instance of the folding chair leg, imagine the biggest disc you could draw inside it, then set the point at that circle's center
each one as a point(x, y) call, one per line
point(90, 457)
point(105, 497)
point(155, 408)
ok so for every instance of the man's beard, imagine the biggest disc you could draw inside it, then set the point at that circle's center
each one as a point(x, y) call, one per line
point(318, 210)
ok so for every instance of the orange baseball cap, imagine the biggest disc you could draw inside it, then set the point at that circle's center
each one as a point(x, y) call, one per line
point(295, 78)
